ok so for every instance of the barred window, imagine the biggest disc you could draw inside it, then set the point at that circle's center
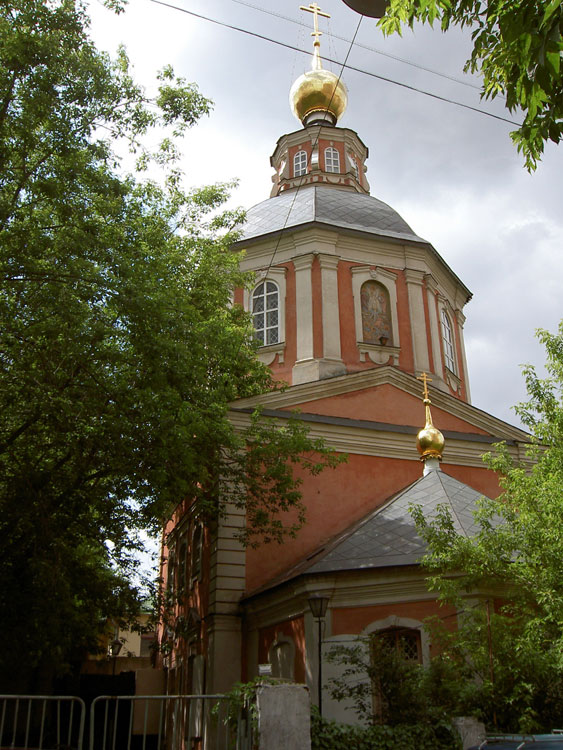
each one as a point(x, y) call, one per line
point(332, 160)
point(405, 641)
point(265, 313)
point(300, 163)
point(448, 342)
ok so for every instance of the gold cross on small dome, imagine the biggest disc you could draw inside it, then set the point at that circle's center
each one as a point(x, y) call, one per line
point(316, 11)
point(425, 379)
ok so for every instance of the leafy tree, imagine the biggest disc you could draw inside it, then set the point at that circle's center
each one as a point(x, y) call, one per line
point(517, 557)
point(517, 46)
point(387, 690)
point(119, 349)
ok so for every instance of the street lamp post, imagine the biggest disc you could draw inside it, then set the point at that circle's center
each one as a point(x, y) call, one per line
point(114, 649)
point(318, 605)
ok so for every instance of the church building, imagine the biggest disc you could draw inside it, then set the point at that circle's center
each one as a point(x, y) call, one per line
point(363, 319)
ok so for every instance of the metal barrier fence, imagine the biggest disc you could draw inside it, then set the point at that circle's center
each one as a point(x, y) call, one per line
point(41, 722)
point(168, 722)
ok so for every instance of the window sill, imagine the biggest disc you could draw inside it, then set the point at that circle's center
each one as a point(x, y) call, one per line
point(379, 354)
point(453, 381)
point(267, 354)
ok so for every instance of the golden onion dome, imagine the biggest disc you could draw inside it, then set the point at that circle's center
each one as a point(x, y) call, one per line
point(429, 441)
point(318, 96)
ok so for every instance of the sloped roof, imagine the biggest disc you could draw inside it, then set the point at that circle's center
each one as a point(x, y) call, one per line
point(326, 205)
point(388, 535)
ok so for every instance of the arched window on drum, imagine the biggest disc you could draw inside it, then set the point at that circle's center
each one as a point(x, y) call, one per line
point(376, 314)
point(332, 160)
point(300, 164)
point(266, 313)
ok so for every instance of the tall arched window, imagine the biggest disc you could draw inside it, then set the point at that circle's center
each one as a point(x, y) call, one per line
point(197, 552)
point(376, 314)
point(265, 313)
point(332, 160)
point(300, 163)
point(448, 342)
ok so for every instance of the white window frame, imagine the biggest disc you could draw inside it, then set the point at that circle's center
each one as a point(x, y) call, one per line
point(265, 291)
point(448, 341)
point(267, 354)
point(332, 160)
point(300, 163)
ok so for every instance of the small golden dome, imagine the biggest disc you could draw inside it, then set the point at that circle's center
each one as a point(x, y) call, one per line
point(430, 442)
point(318, 92)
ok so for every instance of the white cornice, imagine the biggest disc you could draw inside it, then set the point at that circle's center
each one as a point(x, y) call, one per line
point(352, 439)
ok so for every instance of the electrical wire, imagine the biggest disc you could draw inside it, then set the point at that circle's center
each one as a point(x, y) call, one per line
point(445, 99)
point(363, 46)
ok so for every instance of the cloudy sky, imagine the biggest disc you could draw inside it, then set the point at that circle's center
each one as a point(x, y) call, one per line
point(452, 173)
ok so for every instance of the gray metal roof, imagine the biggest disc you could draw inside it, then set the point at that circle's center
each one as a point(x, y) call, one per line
point(333, 206)
point(388, 535)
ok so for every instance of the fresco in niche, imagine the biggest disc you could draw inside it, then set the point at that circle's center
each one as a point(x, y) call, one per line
point(376, 314)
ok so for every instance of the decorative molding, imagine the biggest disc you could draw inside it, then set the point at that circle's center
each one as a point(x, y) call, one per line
point(388, 279)
point(267, 354)
point(413, 276)
point(453, 381)
point(353, 439)
point(378, 354)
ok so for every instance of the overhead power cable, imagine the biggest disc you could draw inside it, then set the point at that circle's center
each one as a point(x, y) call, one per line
point(336, 62)
point(362, 46)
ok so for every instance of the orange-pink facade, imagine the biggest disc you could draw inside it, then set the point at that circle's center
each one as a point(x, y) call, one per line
point(350, 307)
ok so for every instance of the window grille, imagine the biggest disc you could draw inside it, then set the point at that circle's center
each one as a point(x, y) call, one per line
point(265, 313)
point(448, 342)
point(300, 164)
point(332, 160)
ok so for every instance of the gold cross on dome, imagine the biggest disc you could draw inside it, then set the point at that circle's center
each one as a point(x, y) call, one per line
point(425, 379)
point(316, 11)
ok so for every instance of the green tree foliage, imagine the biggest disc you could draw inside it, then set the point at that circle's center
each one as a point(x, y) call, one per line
point(119, 350)
point(333, 735)
point(517, 46)
point(517, 557)
point(385, 688)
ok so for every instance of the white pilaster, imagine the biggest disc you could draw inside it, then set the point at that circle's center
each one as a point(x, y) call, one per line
point(331, 310)
point(417, 320)
point(304, 306)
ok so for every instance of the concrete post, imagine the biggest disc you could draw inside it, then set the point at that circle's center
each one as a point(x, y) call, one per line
point(284, 717)
point(471, 731)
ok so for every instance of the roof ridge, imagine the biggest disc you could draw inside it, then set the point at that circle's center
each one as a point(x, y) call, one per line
point(457, 522)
